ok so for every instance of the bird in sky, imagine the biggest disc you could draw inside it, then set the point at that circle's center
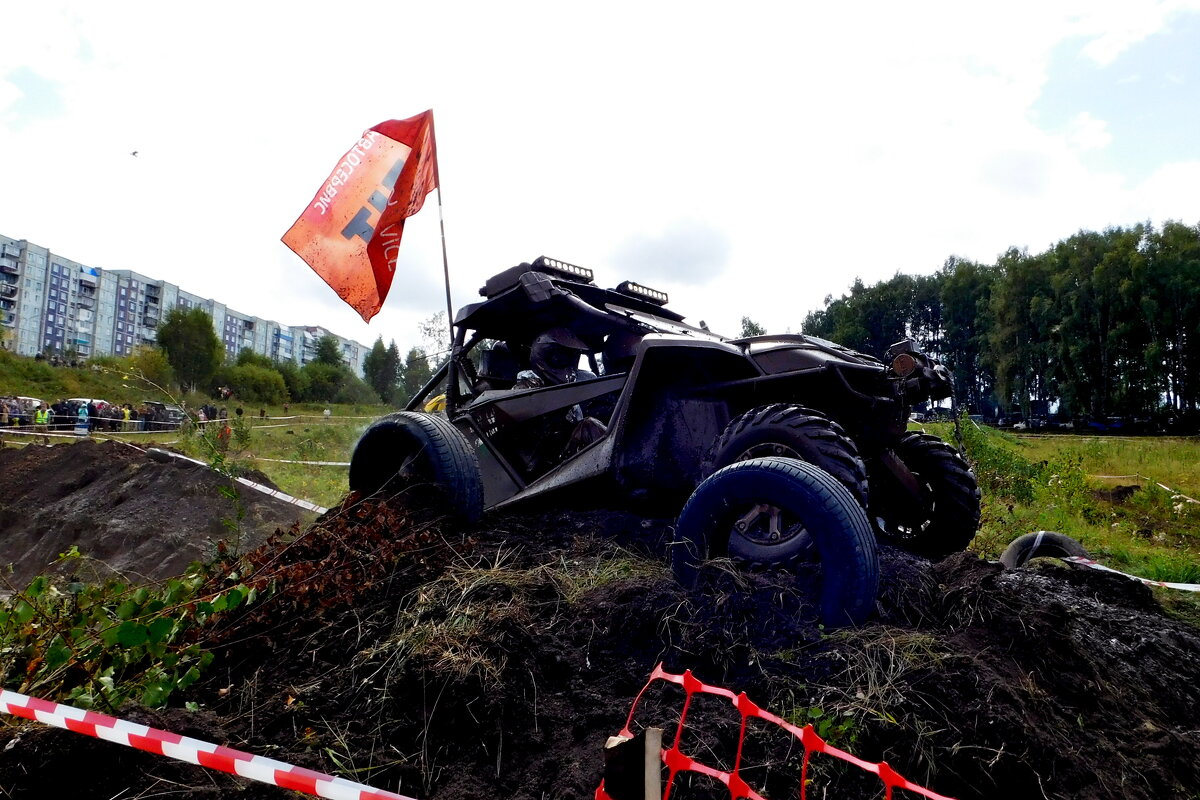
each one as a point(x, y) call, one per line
point(134, 153)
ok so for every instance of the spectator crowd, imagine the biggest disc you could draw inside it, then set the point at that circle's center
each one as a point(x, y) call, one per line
point(94, 415)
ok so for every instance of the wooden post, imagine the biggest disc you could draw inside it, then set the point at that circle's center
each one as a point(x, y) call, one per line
point(633, 767)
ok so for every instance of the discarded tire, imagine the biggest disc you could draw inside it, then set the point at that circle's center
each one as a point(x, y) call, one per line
point(782, 511)
point(1043, 544)
point(411, 447)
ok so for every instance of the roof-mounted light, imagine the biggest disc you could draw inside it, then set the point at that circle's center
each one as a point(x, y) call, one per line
point(562, 269)
point(643, 293)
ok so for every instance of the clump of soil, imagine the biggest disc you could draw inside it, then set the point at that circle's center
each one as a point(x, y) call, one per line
point(129, 513)
point(1118, 494)
point(494, 661)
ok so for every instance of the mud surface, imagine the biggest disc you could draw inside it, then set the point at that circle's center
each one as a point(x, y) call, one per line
point(493, 662)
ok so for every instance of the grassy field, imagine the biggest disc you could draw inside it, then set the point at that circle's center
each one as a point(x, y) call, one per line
point(1130, 501)
point(267, 445)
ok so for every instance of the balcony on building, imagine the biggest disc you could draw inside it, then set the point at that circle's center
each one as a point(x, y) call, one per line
point(8, 319)
point(10, 265)
point(8, 289)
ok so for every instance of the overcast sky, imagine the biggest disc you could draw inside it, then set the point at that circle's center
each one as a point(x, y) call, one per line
point(747, 158)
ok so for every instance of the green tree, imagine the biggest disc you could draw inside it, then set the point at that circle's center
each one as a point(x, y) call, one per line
point(381, 368)
point(394, 367)
point(151, 363)
point(329, 351)
point(247, 356)
point(752, 328)
point(191, 345)
point(416, 372)
point(1170, 304)
point(293, 378)
point(253, 383)
point(323, 381)
point(966, 290)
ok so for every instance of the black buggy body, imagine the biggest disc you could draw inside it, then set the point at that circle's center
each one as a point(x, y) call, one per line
point(663, 405)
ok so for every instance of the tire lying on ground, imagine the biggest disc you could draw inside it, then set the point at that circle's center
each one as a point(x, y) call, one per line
point(411, 447)
point(944, 517)
point(783, 512)
point(1043, 544)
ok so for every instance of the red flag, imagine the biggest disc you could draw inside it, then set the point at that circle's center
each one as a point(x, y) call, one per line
point(350, 232)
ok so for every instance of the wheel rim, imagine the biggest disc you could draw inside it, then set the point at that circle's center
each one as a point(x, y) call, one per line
point(763, 527)
point(912, 525)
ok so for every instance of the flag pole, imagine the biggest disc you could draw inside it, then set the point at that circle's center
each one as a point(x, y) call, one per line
point(442, 225)
point(446, 268)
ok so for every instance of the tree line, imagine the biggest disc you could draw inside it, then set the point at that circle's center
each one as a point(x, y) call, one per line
point(189, 353)
point(1099, 324)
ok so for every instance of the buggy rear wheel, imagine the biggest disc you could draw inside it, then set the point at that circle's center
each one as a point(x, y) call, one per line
point(927, 504)
point(790, 431)
point(410, 448)
point(783, 512)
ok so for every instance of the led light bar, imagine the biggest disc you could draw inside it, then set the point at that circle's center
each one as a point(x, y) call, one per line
point(563, 269)
point(643, 292)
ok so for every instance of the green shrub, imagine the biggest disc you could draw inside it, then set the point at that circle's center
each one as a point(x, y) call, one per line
point(253, 383)
point(97, 645)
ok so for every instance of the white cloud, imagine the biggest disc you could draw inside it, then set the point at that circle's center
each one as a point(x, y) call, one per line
point(1088, 133)
point(777, 150)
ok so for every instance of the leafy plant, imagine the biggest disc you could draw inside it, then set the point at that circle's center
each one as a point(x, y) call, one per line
point(99, 645)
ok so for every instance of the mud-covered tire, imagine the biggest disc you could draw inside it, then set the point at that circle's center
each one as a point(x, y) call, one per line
point(789, 431)
point(946, 517)
point(819, 518)
point(1042, 544)
point(411, 446)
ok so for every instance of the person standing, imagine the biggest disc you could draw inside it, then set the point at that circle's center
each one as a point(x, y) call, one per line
point(41, 422)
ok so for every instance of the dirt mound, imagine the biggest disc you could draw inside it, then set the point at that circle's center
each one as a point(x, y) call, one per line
point(128, 512)
point(493, 662)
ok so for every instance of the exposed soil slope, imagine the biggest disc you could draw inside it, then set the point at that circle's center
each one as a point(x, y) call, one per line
point(127, 512)
point(493, 662)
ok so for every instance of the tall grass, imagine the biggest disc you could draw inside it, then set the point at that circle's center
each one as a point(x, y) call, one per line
point(1056, 483)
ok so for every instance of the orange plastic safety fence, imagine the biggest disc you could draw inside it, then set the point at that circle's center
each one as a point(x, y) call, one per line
point(677, 761)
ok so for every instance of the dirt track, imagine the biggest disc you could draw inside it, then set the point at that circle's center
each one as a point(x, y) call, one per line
point(975, 681)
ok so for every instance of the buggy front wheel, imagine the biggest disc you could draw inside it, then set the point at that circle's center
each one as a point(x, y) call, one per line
point(783, 512)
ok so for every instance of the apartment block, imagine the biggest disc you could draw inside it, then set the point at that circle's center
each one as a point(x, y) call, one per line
point(55, 306)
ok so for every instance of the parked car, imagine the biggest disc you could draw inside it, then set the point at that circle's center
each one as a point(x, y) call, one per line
point(166, 417)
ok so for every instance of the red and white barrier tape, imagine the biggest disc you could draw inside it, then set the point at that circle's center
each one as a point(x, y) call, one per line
point(287, 498)
point(310, 463)
point(1087, 562)
point(192, 751)
point(1162, 486)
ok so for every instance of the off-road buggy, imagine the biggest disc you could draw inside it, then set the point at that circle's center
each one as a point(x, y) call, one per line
point(789, 447)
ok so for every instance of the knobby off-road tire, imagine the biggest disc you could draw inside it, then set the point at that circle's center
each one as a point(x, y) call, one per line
point(790, 431)
point(816, 519)
point(411, 447)
point(945, 518)
point(1042, 544)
